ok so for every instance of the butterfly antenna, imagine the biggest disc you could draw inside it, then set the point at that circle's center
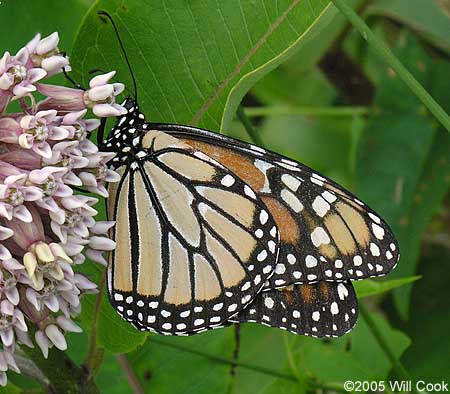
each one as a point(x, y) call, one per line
point(122, 47)
point(73, 82)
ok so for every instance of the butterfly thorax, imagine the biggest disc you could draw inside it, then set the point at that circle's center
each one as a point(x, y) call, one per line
point(125, 138)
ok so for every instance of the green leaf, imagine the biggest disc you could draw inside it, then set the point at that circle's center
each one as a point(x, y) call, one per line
point(298, 81)
point(370, 287)
point(402, 171)
point(10, 389)
point(195, 60)
point(292, 85)
point(433, 186)
point(303, 359)
point(265, 348)
point(173, 365)
point(111, 378)
point(367, 350)
point(428, 357)
point(430, 19)
point(322, 143)
point(357, 354)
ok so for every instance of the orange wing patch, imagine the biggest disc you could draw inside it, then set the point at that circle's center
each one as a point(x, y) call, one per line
point(242, 166)
point(287, 225)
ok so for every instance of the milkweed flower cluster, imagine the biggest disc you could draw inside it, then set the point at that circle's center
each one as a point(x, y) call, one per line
point(46, 228)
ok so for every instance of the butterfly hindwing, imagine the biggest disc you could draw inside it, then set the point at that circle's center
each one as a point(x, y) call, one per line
point(194, 242)
point(326, 233)
point(322, 309)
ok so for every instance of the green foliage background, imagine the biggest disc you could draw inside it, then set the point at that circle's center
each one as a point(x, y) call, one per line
point(318, 94)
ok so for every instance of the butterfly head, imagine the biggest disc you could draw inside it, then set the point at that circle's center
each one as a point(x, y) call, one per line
point(131, 119)
point(130, 105)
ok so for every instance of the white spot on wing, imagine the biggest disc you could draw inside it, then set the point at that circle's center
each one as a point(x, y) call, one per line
point(263, 217)
point(374, 249)
point(330, 197)
point(291, 200)
point(257, 149)
point(320, 206)
point(280, 269)
point(378, 231)
point(263, 166)
point(357, 260)
point(310, 261)
point(319, 237)
point(249, 192)
point(227, 180)
point(334, 308)
point(268, 302)
point(291, 182)
point(375, 218)
point(342, 291)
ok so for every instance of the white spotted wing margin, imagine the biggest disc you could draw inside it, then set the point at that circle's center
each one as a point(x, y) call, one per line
point(326, 233)
point(194, 242)
point(322, 309)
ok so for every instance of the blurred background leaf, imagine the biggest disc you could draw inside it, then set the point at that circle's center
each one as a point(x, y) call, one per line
point(40, 16)
point(173, 365)
point(428, 357)
point(403, 167)
point(429, 18)
point(369, 287)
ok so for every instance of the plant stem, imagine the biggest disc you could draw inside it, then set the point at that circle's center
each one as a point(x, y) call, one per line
point(95, 354)
point(394, 63)
point(309, 383)
point(130, 374)
point(254, 135)
point(63, 375)
point(307, 111)
point(225, 360)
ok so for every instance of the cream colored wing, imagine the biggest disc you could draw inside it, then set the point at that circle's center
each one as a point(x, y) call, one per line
point(194, 242)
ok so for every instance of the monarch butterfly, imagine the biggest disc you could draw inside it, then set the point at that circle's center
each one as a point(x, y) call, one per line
point(212, 231)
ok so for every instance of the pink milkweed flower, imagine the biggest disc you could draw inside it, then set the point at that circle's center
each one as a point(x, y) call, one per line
point(68, 155)
point(39, 129)
point(15, 77)
point(19, 158)
point(44, 53)
point(97, 173)
point(53, 187)
point(46, 228)
point(11, 320)
point(100, 97)
point(13, 193)
point(10, 130)
point(79, 129)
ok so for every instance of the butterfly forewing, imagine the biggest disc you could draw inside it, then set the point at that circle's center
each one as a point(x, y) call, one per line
point(326, 233)
point(321, 309)
point(194, 242)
